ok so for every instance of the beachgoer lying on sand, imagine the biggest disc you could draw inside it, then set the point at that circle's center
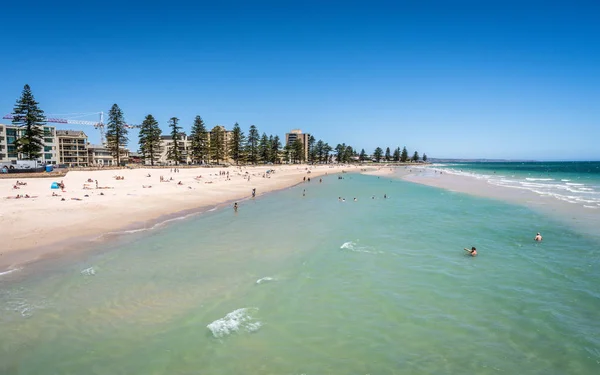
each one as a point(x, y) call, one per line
point(472, 251)
point(21, 183)
point(208, 182)
point(148, 175)
point(538, 237)
point(16, 187)
point(55, 195)
point(146, 186)
point(76, 199)
point(90, 180)
point(86, 187)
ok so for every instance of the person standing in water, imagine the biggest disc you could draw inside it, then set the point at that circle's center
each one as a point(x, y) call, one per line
point(538, 237)
point(235, 207)
point(472, 251)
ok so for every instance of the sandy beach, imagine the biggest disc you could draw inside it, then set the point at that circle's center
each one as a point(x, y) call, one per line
point(37, 226)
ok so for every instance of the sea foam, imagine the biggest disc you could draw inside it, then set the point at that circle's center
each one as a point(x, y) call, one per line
point(89, 271)
point(264, 280)
point(9, 271)
point(235, 321)
point(353, 246)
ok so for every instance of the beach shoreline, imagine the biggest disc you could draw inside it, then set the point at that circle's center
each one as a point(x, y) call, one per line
point(35, 228)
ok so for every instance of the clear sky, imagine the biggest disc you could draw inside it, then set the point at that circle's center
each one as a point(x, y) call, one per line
point(465, 79)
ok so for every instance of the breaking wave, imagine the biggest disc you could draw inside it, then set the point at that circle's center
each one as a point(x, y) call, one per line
point(89, 271)
point(10, 271)
point(235, 321)
point(264, 280)
point(353, 246)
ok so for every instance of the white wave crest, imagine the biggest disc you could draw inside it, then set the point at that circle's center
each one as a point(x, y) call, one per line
point(235, 321)
point(89, 271)
point(264, 280)
point(10, 271)
point(539, 179)
point(353, 246)
point(347, 245)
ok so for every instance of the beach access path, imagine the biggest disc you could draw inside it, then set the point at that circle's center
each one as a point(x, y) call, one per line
point(33, 227)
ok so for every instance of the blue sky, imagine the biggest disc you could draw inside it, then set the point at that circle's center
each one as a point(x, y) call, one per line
point(465, 79)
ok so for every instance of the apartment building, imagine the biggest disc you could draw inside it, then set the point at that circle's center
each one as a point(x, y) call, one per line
point(296, 134)
point(72, 148)
point(166, 142)
point(185, 146)
point(10, 133)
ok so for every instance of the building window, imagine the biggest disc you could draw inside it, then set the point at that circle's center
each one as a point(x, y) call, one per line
point(48, 140)
point(47, 156)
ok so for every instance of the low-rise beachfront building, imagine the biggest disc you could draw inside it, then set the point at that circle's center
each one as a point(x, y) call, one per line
point(72, 148)
point(296, 134)
point(135, 158)
point(8, 151)
point(100, 156)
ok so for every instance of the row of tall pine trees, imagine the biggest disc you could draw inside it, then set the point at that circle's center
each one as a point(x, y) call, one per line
point(207, 146)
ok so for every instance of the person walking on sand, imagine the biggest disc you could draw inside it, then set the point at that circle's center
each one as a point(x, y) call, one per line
point(472, 251)
point(538, 237)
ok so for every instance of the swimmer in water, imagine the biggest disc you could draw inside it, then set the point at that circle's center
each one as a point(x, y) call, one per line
point(472, 251)
point(235, 206)
point(538, 237)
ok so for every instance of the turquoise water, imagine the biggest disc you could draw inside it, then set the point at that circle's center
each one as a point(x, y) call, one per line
point(576, 182)
point(377, 286)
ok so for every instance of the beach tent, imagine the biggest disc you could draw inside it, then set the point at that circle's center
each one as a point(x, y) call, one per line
point(54, 185)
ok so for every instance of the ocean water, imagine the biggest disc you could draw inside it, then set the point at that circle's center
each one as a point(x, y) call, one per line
point(573, 182)
point(295, 284)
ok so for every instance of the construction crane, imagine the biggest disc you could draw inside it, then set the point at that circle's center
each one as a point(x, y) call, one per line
point(96, 124)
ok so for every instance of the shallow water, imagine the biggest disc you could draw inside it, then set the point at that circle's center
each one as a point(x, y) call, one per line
point(311, 285)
